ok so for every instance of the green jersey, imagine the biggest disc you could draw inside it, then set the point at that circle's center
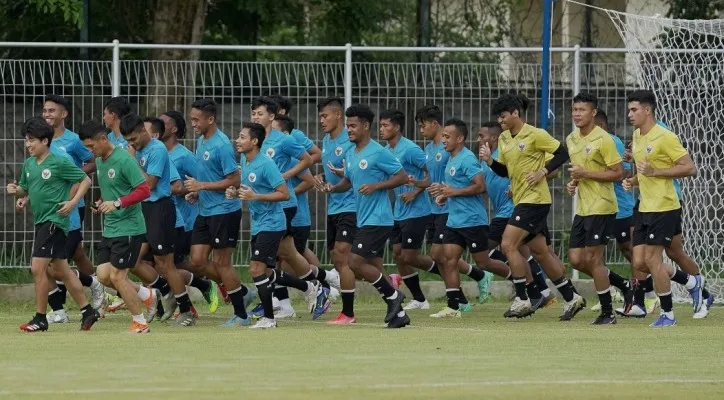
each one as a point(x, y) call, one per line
point(118, 175)
point(48, 184)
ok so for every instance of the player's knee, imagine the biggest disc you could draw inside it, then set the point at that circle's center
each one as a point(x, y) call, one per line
point(257, 269)
point(575, 258)
point(508, 246)
point(355, 262)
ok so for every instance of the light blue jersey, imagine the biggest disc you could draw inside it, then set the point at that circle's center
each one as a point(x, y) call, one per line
point(117, 140)
point(263, 176)
point(70, 144)
point(497, 187)
point(185, 162)
point(173, 177)
point(282, 149)
point(624, 199)
point(436, 159)
point(302, 217)
point(214, 161)
point(412, 159)
point(464, 211)
point(153, 159)
point(333, 151)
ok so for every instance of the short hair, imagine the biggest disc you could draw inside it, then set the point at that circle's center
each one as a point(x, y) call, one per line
point(118, 105)
point(285, 123)
point(206, 105)
point(37, 128)
point(459, 125)
point(524, 102)
point(645, 97)
point(60, 100)
point(90, 129)
point(156, 124)
point(507, 102)
point(585, 97)
point(131, 123)
point(256, 131)
point(431, 113)
point(395, 116)
point(333, 101)
point(493, 127)
point(601, 116)
point(180, 122)
point(361, 111)
point(271, 106)
point(284, 102)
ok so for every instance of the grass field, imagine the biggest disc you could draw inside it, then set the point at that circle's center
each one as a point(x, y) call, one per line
point(481, 355)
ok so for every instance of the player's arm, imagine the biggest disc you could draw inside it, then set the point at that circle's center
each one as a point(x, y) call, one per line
point(683, 167)
point(306, 184)
point(398, 179)
point(315, 153)
point(305, 161)
point(342, 186)
point(477, 186)
point(613, 173)
point(177, 188)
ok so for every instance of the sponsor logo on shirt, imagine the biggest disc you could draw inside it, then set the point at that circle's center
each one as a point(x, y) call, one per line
point(363, 164)
point(111, 173)
point(45, 174)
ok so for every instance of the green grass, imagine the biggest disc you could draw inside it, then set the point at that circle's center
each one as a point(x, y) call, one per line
point(481, 355)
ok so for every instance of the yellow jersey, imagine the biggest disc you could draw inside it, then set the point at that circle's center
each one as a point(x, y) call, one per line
point(662, 149)
point(594, 152)
point(524, 153)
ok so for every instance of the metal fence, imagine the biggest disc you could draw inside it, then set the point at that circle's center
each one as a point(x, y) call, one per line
point(464, 90)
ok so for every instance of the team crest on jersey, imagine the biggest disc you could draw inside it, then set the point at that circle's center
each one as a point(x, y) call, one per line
point(521, 146)
point(363, 164)
point(111, 173)
point(252, 177)
point(338, 151)
point(270, 152)
point(438, 157)
point(205, 156)
point(452, 171)
point(46, 174)
point(649, 148)
point(587, 149)
point(143, 161)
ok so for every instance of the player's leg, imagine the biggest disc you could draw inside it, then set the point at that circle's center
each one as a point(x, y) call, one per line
point(207, 287)
point(264, 250)
point(688, 275)
point(341, 230)
point(453, 246)
point(477, 240)
point(407, 257)
point(89, 315)
point(201, 241)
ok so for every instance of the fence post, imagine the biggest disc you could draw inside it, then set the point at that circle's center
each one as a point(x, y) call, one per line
point(576, 89)
point(116, 83)
point(348, 75)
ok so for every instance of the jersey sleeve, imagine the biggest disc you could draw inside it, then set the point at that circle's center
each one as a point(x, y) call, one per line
point(672, 147)
point(416, 156)
point(292, 148)
point(131, 171)
point(302, 139)
point(81, 152)
point(173, 174)
point(272, 174)
point(387, 163)
point(545, 142)
point(609, 152)
point(69, 172)
point(156, 161)
point(227, 160)
point(188, 165)
point(23, 177)
point(471, 167)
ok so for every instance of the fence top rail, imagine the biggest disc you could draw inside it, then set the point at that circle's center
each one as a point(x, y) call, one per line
point(96, 45)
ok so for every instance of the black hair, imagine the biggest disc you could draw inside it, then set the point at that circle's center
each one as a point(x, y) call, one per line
point(118, 105)
point(256, 131)
point(330, 101)
point(507, 102)
point(645, 97)
point(284, 102)
point(37, 128)
point(601, 116)
point(524, 102)
point(395, 116)
point(493, 127)
point(429, 114)
point(459, 125)
point(156, 124)
point(361, 111)
point(206, 105)
point(585, 97)
point(286, 124)
point(91, 129)
point(180, 122)
point(131, 123)
point(60, 100)
point(271, 106)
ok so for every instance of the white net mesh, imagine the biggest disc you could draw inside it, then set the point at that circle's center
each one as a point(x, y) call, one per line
point(682, 61)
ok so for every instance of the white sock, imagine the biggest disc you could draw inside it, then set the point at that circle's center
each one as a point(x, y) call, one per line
point(144, 293)
point(394, 296)
point(651, 295)
point(286, 304)
point(690, 283)
point(140, 319)
point(669, 314)
point(545, 292)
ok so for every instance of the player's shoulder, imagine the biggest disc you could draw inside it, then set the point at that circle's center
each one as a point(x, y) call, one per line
point(219, 139)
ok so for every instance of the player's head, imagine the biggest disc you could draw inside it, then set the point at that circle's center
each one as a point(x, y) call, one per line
point(584, 109)
point(641, 107)
point(331, 111)
point(133, 130)
point(95, 137)
point(285, 104)
point(509, 110)
point(203, 116)
point(392, 122)
point(454, 133)
point(601, 119)
point(283, 124)
point(115, 109)
point(251, 137)
point(38, 135)
point(524, 105)
point(55, 110)
point(263, 111)
point(359, 122)
point(154, 126)
point(429, 119)
point(174, 124)
point(489, 133)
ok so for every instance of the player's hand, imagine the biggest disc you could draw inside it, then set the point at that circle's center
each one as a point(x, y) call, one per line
point(13, 187)
point(94, 207)
point(368, 188)
point(577, 172)
point(107, 207)
point(192, 185)
point(66, 207)
point(408, 197)
point(231, 193)
point(627, 184)
point(246, 193)
point(337, 171)
point(319, 182)
point(191, 198)
point(435, 190)
point(534, 177)
point(484, 152)
point(644, 168)
point(509, 192)
point(571, 187)
point(327, 188)
point(21, 203)
point(440, 200)
point(627, 155)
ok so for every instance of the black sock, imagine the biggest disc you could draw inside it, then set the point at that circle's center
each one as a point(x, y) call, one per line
point(287, 280)
point(280, 292)
point(461, 297)
point(519, 284)
point(649, 284)
point(41, 317)
point(434, 269)
point(384, 287)
point(244, 290)
point(413, 283)
point(565, 288)
point(237, 300)
point(538, 276)
point(85, 280)
point(667, 303)
point(639, 292)
point(680, 277)
point(86, 309)
point(533, 291)
point(321, 275)
point(162, 285)
point(476, 274)
point(498, 255)
point(606, 304)
point(202, 284)
point(617, 281)
point(452, 298)
point(265, 295)
point(348, 303)
point(705, 293)
point(63, 292)
point(183, 301)
point(55, 300)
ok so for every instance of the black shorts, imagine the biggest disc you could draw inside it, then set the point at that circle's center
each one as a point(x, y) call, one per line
point(341, 228)
point(369, 241)
point(622, 229)
point(49, 242)
point(656, 228)
point(300, 235)
point(531, 218)
point(81, 214)
point(435, 228)
point(160, 216)
point(72, 242)
point(265, 246)
point(475, 237)
point(218, 231)
point(183, 245)
point(497, 227)
point(591, 231)
point(289, 213)
point(122, 252)
point(635, 213)
point(679, 229)
point(410, 233)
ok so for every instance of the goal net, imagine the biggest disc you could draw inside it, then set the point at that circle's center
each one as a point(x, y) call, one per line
point(682, 61)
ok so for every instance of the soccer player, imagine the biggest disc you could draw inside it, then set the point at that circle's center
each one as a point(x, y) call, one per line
point(660, 158)
point(371, 170)
point(113, 111)
point(522, 159)
point(595, 165)
point(285, 107)
point(49, 179)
